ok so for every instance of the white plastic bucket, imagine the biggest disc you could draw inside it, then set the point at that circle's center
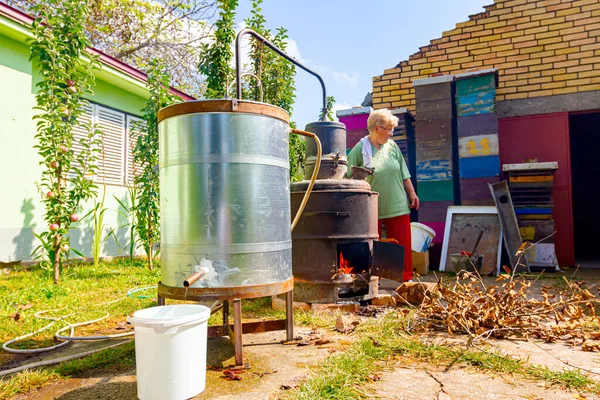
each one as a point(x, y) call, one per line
point(170, 351)
point(422, 236)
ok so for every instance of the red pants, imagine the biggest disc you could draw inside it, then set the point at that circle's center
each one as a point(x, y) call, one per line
point(399, 228)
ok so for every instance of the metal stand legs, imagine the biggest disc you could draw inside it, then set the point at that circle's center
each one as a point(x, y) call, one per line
point(160, 301)
point(289, 315)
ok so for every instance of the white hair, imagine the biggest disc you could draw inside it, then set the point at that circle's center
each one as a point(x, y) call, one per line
point(381, 117)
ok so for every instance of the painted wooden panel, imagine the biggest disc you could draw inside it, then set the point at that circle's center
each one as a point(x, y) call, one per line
point(476, 96)
point(476, 189)
point(436, 190)
point(434, 170)
point(540, 229)
point(358, 121)
point(483, 124)
point(478, 146)
point(434, 211)
point(438, 228)
point(434, 130)
point(433, 109)
point(542, 254)
point(479, 167)
point(533, 210)
point(478, 202)
point(438, 91)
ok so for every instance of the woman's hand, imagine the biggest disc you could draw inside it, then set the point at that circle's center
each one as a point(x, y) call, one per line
point(414, 201)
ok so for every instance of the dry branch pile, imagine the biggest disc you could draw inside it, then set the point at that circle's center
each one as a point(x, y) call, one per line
point(511, 309)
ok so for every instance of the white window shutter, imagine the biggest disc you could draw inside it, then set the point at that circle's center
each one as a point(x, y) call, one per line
point(111, 166)
point(79, 133)
point(134, 130)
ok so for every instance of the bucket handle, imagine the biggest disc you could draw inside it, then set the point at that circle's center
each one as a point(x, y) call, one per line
point(314, 174)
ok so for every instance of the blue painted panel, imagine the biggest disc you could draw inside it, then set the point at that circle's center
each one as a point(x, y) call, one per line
point(434, 170)
point(534, 211)
point(476, 96)
point(479, 167)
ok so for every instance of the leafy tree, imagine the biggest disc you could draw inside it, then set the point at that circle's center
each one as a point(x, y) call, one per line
point(330, 104)
point(58, 46)
point(277, 76)
point(216, 56)
point(146, 156)
point(136, 31)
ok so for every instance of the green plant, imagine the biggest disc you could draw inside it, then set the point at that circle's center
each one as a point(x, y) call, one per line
point(59, 46)
point(215, 57)
point(128, 212)
point(277, 77)
point(99, 239)
point(146, 155)
point(330, 104)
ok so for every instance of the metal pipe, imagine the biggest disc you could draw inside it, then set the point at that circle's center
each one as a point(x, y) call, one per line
point(229, 86)
point(237, 331)
point(193, 278)
point(289, 315)
point(238, 66)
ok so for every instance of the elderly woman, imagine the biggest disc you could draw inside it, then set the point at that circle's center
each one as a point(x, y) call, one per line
point(391, 180)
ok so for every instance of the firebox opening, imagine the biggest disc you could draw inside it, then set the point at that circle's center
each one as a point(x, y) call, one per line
point(353, 258)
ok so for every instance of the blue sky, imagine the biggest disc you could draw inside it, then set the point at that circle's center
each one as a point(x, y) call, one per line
point(349, 41)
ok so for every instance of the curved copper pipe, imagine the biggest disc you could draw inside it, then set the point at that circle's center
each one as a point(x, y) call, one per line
point(193, 278)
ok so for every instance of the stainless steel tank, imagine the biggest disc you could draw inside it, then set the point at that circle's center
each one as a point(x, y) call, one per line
point(225, 199)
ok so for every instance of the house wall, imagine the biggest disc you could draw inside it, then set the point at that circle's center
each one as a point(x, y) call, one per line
point(540, 47)
point(21, 211)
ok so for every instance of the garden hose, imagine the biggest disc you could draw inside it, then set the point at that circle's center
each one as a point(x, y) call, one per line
point(67, 339)
point(39, 315)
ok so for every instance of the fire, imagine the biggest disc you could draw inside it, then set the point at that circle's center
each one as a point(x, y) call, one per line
point(344, 266)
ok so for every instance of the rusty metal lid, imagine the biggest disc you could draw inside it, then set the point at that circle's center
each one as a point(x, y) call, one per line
point(223, 105)
point(332, 185)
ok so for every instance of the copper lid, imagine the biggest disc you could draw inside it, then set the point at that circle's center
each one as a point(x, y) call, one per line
point(231, 105)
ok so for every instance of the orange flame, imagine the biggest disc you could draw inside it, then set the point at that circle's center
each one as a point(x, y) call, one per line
point(344, 266)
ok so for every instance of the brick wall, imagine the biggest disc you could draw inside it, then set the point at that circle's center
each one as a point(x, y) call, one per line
point(540, 48)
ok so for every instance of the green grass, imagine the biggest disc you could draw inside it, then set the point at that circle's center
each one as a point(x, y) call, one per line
point(347, 375)
point(83, 291)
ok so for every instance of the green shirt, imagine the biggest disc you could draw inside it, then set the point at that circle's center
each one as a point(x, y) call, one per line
point(388, 179)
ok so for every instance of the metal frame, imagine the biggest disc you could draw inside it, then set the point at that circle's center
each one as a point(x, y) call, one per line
point(475, 210)
point(238, 328)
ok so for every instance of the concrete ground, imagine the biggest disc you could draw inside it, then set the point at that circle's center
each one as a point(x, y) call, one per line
point(274, 365)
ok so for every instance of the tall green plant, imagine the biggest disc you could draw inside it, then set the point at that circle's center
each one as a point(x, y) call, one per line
point(146, 155)
point(58, 47)
point(277, 77)
point(216, 56)
point(330, 104)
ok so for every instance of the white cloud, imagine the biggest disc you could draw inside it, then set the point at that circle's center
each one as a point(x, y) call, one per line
point(344, 77)
point(293, 50)
point(340, 106)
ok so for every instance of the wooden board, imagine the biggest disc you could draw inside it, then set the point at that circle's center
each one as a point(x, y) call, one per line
point(436, 190)
point(434, 150)
point(434, 211)
point(538, 229)
point(434, 170)
point(484, 124)
point(477, 189)
point(532, 179)
point(463, 225)
point(476, 96)
point(479, 167)
point(478, 146)
point(434, 130)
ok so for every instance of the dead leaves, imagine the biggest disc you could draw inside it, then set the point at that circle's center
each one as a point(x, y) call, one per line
point(346, 323)
point(511, 309)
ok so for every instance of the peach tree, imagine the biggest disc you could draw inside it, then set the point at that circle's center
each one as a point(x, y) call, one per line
point(59, 48)
point(146, 156)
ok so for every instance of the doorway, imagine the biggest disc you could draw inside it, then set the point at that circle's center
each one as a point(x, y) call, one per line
point(585, 178)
